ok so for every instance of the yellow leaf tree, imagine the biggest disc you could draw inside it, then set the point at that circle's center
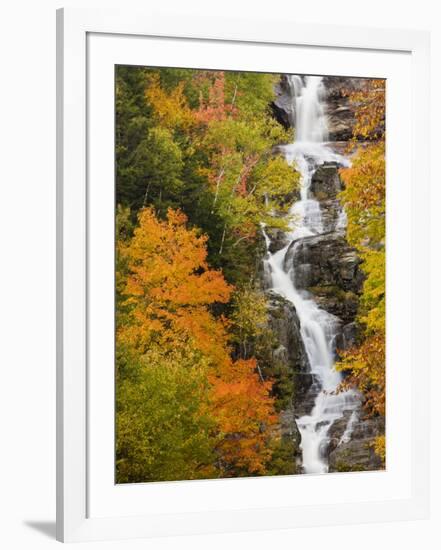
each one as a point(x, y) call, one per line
point(364, 201)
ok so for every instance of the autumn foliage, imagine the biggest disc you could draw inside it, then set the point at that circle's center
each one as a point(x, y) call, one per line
point(165, 318)
point(370, 110)
point(196, 178)
point(201, 141)
point(364, 198)
point(168, 285)
point(214, 107)
point(170, 108)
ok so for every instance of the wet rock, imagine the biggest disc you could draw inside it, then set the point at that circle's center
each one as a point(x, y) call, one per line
point(348, 335)
point(325, 182)
point(354, 456)
point(289, 427)
point(282, 106)
point(289, 356)
point(348, 267)
point(264, 274)
point(325, 261)
point(331, 212)
point(304, 406)
point(263, 270)
point(337, 430)
point(278, 239)
point(358, 453)
point(342, 304)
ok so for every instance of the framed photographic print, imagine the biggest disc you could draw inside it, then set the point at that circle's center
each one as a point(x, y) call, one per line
point(242, 275)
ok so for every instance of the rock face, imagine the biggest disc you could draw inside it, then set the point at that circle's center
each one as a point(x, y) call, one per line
point(340, 113)
point(289, 368)
point(325, 182)
point(278, 240)
point(356, 453)
point(289, 354)
point(332, 217)
point(325, 261)
point(325, 266)
point(282, 106)
point(328, 269)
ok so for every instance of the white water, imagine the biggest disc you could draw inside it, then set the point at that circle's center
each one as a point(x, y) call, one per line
point(318, 327)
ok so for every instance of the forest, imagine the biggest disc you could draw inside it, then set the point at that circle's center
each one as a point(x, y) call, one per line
point(202, 390)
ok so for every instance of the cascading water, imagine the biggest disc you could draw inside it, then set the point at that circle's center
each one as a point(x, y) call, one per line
point(318, 327)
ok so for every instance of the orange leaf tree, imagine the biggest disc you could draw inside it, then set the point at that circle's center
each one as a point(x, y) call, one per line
point(167, 295)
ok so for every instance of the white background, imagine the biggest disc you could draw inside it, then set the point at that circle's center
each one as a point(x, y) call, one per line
point(27, 276)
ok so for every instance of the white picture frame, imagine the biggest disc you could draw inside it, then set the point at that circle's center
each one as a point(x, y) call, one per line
point(77, 520)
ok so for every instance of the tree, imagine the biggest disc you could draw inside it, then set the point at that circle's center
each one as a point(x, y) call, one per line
point(215, 106)
point(246, 181)
point(364, 201)
point(248, 319)
point(364, 196)
point(245, 415)
point(172, 346)
point(370, 110)
point(154, 172)
point(202, 141)
point(164, 430)
point(170, 107)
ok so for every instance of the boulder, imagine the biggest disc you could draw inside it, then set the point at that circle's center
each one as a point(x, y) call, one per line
point(342, 304)
point(324, 260)
point(358, 453)
point(337, 430)
point(331, 213)
point(278, 239)
point(326, 182)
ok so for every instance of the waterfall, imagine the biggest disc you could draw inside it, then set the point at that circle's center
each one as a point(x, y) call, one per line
point(318, 327)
